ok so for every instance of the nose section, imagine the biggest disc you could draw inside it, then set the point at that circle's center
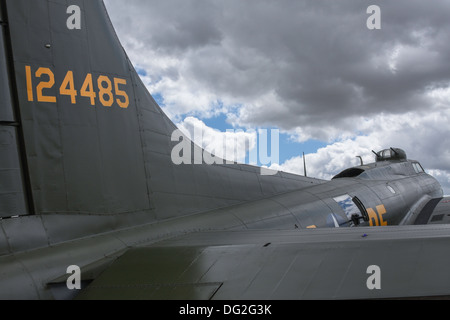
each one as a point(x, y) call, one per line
point(432, 187)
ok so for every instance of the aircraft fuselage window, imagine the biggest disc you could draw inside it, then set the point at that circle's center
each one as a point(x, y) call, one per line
point(417, 167)
point(390, 189)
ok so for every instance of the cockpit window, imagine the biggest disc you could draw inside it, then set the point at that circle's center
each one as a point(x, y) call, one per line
point(390, 154)
point(417, 167)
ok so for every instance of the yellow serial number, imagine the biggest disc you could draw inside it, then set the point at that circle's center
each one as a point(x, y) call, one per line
point(108, 92)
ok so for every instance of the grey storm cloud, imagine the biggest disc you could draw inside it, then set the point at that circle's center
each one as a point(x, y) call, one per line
point(319, 59)
point(312, 68)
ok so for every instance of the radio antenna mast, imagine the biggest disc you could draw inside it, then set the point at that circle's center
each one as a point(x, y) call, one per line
point(304, 164)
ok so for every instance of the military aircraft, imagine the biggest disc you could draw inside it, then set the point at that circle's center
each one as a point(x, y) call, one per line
point(93, 207)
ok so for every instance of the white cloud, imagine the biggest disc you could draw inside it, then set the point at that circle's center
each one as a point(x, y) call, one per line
point(423, 137)
point(443, 177)
point(330, 160)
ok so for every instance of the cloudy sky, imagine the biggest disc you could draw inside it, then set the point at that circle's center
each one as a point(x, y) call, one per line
point(311, 68)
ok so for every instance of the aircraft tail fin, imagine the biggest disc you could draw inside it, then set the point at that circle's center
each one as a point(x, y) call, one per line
point(91, 139)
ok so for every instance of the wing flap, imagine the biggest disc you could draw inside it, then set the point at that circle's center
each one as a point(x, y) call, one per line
point(152, 273)
point(300, 264)
point(176, 291)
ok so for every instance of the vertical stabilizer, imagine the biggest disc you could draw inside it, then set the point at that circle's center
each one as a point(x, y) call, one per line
point(95, 142)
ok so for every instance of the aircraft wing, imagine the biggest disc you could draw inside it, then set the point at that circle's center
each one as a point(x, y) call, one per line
point(351, 263)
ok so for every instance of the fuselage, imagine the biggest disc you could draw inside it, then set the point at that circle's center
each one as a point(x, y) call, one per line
point(387, 191)
point(377, 194)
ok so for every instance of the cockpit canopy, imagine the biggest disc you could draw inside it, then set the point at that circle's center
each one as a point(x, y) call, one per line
point(390, 154)
point(389, 163)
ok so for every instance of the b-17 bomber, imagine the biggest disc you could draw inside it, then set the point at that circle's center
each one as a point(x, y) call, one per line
point(93, 207)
